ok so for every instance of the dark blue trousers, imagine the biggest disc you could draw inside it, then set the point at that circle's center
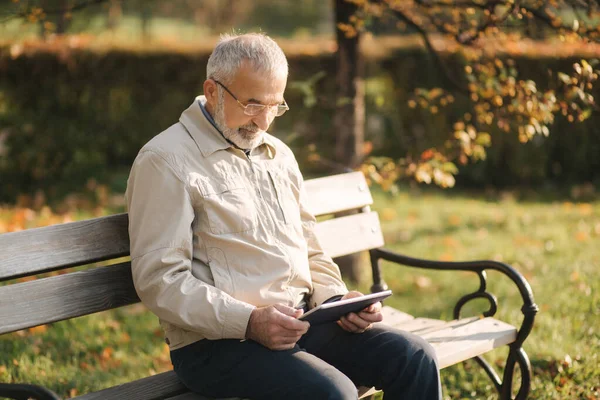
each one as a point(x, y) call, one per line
point(326, 363)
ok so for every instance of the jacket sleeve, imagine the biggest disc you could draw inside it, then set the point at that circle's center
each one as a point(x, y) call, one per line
point(160, 230)
point(326, 278)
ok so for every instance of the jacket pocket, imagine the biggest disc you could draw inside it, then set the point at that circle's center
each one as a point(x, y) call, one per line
point(286, 197)
point(229, 207)
point(281, 211)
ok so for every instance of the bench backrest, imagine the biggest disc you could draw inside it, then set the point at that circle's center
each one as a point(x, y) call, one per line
point(73, 294)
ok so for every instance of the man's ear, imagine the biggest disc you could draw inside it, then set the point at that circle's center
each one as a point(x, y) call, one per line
point(210, 92)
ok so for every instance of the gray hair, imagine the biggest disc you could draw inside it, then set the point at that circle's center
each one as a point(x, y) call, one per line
point(231, 51)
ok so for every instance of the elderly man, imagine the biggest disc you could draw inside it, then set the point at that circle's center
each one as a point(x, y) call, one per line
point(224, 253)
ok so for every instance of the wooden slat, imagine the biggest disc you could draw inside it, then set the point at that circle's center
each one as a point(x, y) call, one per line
point(194, 396)
point(457, 340)
point(350, 234)
point(60, 246)
point(337, 193)
point(393, 317)
point(420, 324)
point(363, 392)
point(459, 343)
point(27, 304)
point(166, 384)
point(156, 387)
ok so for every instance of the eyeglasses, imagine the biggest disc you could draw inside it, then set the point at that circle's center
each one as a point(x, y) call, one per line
point(255, 109)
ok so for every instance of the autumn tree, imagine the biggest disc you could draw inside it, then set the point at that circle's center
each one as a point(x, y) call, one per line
point(498, 100)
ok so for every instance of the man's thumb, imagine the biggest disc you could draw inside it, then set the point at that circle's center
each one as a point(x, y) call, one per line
point(292, 312)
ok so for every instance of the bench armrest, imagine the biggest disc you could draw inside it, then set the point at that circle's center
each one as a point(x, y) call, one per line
point(24, 392)
point(529, 308)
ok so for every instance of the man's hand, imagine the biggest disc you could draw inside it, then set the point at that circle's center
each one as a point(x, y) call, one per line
point(363, 320)
point(276, 327)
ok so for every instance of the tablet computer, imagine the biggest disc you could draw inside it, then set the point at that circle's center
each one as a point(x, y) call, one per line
point(331, 312)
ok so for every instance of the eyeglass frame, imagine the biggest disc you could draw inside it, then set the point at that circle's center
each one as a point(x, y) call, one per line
point(263, 107)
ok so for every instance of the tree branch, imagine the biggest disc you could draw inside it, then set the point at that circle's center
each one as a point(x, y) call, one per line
point(481, 28)
point(548, 21)
point(56, 11)
point(400, 15)
point(461, 4)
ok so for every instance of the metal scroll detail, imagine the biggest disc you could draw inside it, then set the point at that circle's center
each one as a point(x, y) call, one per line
point(481, 293)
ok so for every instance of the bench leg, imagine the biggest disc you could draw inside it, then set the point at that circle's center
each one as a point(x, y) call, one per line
point(516, 356)
point(489, 370)
point(505, 387)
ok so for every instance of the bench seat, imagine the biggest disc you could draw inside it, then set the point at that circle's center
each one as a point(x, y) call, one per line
point(454, 341)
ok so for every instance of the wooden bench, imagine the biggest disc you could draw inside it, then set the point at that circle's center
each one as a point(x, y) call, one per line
point(73, 294)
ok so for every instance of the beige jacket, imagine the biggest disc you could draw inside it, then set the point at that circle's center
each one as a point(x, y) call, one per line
point(215, 233)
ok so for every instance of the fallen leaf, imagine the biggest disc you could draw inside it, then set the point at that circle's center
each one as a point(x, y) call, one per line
point(585, 208)
point(422, 282)
point(113, 324)
point(125, 338)
point(581, 236)
point(389, 214)
point(454, 220)
point(85, 366)
point(38, 329)
point(450, 242)
point(446, 257)
point(106, 353)
point(574, 276)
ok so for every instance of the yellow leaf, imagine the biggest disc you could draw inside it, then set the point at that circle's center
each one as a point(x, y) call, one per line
point(106, 353)
point(2, 369)
point(113, 324)
point(388, 214)
point(38, 329)
point(125, 337)
point(73, 392)
point(422, 282)
point(450, 242)
point(85, 366)
point(585, 208)
point(574, 276)
point(454, 220)
point(581, 236)
point(446, 257)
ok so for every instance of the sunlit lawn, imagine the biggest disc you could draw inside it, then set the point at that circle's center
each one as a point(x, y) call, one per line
point(553, 243)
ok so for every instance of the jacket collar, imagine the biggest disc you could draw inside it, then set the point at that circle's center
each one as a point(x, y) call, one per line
point(207, 137)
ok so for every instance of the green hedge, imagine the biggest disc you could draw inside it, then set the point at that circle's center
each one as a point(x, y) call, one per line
point(69, 116)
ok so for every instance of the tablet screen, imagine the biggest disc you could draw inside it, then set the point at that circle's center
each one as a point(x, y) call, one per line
point(331, 312)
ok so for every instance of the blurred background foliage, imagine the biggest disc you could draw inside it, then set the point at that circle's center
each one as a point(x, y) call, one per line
point(81, 90)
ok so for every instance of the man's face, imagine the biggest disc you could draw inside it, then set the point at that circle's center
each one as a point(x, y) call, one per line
point(250, 87)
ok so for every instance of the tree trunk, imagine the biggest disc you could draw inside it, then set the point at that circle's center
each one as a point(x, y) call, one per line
point(62, 24)
point(349, 119)
point(145, 19)
point(115, 12)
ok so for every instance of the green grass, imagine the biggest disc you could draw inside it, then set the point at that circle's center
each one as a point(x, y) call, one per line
point(552, 242)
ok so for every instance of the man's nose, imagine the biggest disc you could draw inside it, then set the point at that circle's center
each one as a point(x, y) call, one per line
point(264, 119)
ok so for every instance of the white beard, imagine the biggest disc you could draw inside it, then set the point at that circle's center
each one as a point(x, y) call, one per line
point(246, 137)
